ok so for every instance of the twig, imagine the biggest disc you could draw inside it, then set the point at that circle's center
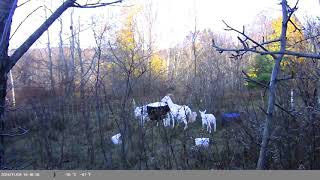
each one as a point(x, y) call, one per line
point(286, 78)
point(23, 3)
point(95, 5)
point(292, 10)
point(25, 131)
point(255, 81)
point(247, 38)
point(24, 21)
point(7, 25)
point(283, 109)
point(265, 112)
point(295, 26)
point(286, 52)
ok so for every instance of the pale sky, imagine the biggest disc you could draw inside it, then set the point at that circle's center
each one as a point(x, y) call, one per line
point(175, 18)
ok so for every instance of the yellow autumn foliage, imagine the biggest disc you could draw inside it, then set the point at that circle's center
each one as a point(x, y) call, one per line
point(252, 73)
point(294, 39)
point(130, 45)
point(262, 67)
point(294, 36)
point(158, 65)
point(126, 35)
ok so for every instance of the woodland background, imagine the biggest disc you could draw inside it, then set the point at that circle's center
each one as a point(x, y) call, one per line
point(71, 99)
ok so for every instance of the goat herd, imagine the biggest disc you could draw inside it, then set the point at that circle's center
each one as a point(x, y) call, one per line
point(170, 113)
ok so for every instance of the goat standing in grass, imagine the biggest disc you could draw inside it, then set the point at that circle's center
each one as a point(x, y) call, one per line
point(202, 142)
point(181, 113)
point(141, 114)
point(153, 111)
point(208, 119)
point(116, 139)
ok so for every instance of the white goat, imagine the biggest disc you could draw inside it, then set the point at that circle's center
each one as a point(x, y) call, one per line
point(167, 120)
point(180, 113)
point(116, 139)
point(208, 119)
point(202, 142)
point(141, 114)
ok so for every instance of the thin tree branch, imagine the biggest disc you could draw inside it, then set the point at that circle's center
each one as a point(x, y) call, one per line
point(295, 26)
point(285, 52)
point(285, 110)
point(18, 53)
point(24, 21)
point(247, 38)
point(286, 78)
point(264, 111)
point(292, 10)
point(254, 81)
point(23, 3)
point(7, 26)
point(95, 5)
point(24, 131)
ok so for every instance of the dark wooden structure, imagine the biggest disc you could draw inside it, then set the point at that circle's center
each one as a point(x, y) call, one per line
point(157, 112)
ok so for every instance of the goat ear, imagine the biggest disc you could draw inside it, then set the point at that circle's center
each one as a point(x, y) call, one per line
point(204, 111)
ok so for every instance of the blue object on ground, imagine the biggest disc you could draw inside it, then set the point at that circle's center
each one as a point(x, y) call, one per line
point(231, 115)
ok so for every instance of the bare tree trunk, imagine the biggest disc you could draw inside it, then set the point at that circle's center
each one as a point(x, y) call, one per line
point(97, 99)
point(82, 91)
point(63, 137)
point(98, 40)
point(196, 79)
point(125, 122)
point(150, 18)
point(3, 92)
point(8, 9)
point(272, 89)
point(65, 71)
point(12, 89)
point(194, 48)
point(89, 136)
point(71, 63)
point(62, 148)
point(7, 63)
point(50, 58)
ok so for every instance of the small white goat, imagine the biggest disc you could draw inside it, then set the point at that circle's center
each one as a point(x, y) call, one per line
point(180, 113)
point(167, 120)
point(116, 139)
point(202, 142)
point(208, 119)
point(141, 114)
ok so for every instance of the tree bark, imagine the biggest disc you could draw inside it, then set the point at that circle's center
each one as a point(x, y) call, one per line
point(28, 43)
point(3, 93)
point(7, 9)
point(52, 83)
point(63, 65)
point(72, 68)
point(6, 12)
point(272, 90)
point(88, 132)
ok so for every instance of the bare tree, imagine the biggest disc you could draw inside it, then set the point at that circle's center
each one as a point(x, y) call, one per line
point(62, 64)
point(7, 62)
point(250, 45)
point(71, 63)
point(50, 63)
point(86, 118)
point(98, 36)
